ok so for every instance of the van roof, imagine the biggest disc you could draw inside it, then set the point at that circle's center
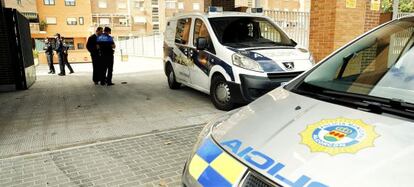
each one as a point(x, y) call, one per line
point(219, 14)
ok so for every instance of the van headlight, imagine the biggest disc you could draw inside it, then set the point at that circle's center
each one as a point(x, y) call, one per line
point(311, 59)
point(246, 63)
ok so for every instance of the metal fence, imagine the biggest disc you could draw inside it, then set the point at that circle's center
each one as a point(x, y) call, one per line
point(295, 24)
point(143, 46)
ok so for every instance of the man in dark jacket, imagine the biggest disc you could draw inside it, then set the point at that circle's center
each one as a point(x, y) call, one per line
point(59, 48)
point(91, 46)
point(105, 44)
point(65, 56)
point(49, 56)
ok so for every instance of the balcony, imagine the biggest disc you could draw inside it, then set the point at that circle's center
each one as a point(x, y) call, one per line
point(34, 28)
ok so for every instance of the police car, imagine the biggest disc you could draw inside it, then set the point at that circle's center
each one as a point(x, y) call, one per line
point(348, 121)
point(235, 57)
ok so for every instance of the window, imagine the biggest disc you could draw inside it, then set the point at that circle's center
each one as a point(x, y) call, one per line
point(49, 2)
point(71, 21)
point(181, 5)
point(379, 64)
point(139, 5)
point(122, 5)
point(243, 32)
point(19, 2)
point(70, 2)
point(183, 31)
point(123, 21)
point(170, 4)
point(104, 21)
point(196, 6)
point(102, 4)
point(69, 42)
point(81, 46)
point(139, 19)
point(81, 21)
point(200, 30)
point(51, 20)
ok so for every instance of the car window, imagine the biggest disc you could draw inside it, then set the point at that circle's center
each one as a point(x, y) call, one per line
point(183, 31)
point(242, 32)
point(380, 64)
point(200, 30)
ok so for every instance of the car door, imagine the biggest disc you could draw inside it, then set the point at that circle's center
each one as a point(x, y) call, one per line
point(182, 62)
point(201, 58)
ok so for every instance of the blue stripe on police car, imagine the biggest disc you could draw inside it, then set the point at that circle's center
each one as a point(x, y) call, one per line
point(265, 163)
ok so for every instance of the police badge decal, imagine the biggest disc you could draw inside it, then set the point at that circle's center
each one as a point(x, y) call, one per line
point(340, 135)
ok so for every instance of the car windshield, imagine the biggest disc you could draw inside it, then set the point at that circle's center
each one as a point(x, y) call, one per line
point(380, 65)
point(244, 32)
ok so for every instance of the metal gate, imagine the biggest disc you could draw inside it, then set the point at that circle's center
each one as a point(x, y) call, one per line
point(295, 24)
point(20, 44)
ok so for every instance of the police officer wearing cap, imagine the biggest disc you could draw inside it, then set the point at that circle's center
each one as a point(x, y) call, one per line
point(105, 45)
point(49, 56)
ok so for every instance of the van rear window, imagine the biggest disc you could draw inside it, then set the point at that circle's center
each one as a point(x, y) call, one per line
point(183, 31)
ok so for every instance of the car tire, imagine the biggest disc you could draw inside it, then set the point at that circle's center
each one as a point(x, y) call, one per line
point(220, 93)
point(172, 82)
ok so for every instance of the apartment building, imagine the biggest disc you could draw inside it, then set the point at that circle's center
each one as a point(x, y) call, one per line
point(139, 17)
point(281, 5)
point(29, 9)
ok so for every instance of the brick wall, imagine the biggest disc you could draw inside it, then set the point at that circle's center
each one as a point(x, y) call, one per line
point(322, 29)
point(6, 74)
point(349, 22)
point(332, 24)
point(372, 18)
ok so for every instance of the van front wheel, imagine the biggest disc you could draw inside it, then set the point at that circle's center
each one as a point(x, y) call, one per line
point(172, 83)
point(220, 93)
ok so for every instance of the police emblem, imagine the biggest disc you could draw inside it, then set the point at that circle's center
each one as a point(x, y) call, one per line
point(340, 135)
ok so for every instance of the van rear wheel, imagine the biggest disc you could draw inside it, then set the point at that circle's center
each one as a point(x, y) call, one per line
point(172, 83)
point(220, 93)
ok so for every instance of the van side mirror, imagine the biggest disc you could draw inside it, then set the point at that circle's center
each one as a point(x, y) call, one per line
point(293, 42)
point(201, 43)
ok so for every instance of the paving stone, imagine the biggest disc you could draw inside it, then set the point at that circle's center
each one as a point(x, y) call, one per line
point(106, 163)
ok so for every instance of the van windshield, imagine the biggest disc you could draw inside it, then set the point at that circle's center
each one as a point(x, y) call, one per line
point(244, 32)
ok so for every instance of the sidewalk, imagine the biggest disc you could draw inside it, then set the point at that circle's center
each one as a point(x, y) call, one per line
point(60, 112)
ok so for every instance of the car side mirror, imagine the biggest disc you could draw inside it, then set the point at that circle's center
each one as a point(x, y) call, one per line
point(293, 42)
point(201, 43)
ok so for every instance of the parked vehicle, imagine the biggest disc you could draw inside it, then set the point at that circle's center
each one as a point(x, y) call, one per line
point(235, 57)
point(346, 122)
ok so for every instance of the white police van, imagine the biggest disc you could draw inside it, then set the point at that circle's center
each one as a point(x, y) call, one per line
point(348, 121)
point(235, 57)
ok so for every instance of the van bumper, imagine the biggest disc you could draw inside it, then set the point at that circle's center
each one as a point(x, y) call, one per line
point(252, 87)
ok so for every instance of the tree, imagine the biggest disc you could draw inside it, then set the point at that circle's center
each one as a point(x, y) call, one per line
point(405, 5)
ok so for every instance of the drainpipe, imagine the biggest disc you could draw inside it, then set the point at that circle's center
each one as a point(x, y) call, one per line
point(257, 3)
point(395, 6)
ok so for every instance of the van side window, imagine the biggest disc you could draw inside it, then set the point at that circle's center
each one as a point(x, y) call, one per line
point(183, 31)
point(200, 30)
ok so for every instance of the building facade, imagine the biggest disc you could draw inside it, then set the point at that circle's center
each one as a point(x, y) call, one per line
point(139, 17)
point(279, 5)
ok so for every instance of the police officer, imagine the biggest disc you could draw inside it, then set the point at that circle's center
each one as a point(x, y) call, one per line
point(49, 56)
point(65, 56)
point(105, 45)
point(91, 46)
point(59, 51)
